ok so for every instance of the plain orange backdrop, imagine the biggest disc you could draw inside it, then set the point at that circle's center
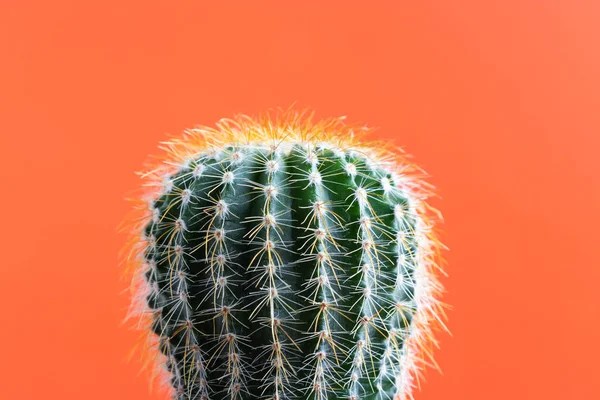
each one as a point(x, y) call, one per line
point(497, 100)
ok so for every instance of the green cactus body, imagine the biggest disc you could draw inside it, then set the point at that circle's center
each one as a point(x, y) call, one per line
point(288, 270)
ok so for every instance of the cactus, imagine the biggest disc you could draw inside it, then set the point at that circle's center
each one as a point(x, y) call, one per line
point(280, 258)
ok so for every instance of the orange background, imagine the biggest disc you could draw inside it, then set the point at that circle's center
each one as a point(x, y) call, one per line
point(497, 100)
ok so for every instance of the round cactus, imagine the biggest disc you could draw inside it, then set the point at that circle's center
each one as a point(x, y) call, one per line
point(277, 258)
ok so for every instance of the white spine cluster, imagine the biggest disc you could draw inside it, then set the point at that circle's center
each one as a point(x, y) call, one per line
point(222, 304)
point(189, 371)
point(268, 268)
point(366, 362)
point(321, 247)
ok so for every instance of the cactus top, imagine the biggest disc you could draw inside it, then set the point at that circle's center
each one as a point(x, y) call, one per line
point(285, 259)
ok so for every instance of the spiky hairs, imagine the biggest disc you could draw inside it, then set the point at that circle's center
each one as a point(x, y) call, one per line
point(167, 177)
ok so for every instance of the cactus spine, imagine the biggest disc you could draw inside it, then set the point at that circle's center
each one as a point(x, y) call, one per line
point(284, 259)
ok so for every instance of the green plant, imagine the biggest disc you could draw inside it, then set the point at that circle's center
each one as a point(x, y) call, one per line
point(285, 259)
